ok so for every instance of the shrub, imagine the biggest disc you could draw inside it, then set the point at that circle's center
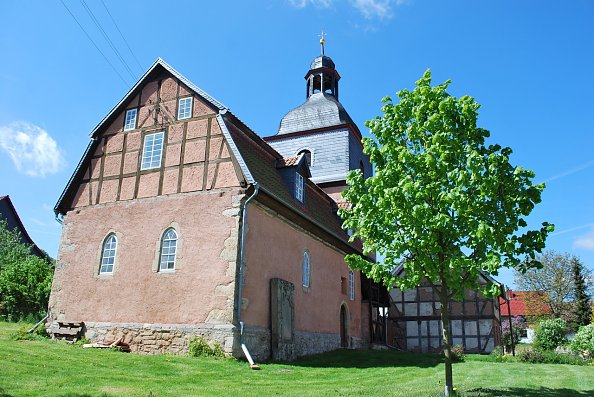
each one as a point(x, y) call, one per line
point(583, 342)
point(536, 356)
point(457, 355)
point(550, 334)
point(200, 347)
point(23, 334)
point(25, 288)
point(518, 324)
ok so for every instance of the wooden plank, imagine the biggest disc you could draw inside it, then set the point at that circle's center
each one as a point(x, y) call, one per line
point(67, 331)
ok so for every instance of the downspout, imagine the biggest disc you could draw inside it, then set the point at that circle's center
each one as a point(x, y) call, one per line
point(241, 271)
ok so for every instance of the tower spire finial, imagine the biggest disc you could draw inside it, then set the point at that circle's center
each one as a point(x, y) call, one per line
point(322, 41)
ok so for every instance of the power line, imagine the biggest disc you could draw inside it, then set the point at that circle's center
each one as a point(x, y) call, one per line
point(92, 41)
point(121, 34)
point(106, 36)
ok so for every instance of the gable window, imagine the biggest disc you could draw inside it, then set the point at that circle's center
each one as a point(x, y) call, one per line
point(351, 285)
point(184, 110)
point(298, 187)
point(152, 151)
point(108, 254)
point(130, 122)
point(168, 250)
point(306, 270)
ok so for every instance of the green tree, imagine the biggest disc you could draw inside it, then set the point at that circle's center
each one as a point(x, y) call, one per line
point(556, 279)
point(582, 299)
point(441, 202)
point(25, 279)
point(12, 250)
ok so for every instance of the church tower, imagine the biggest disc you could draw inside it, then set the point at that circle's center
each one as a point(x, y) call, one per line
point(322, 130)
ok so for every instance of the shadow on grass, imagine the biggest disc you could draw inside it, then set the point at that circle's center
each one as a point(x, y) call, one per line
point(368, 359)
point(522, 392)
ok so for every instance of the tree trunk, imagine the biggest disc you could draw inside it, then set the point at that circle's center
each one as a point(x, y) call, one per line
point(447, 339)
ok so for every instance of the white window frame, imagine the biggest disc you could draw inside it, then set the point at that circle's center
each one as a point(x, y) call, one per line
point(109, 250)
point(351, 285)
point(168, 252)
point(299, 187)
point(306, 270)
point(130, 121)
point(184, 109)
point(152, 156)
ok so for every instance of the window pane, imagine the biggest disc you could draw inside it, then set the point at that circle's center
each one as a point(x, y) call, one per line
point(130, 123)
point(185, 108)
point(168, 250)
point(108, 254)
point(152, 151)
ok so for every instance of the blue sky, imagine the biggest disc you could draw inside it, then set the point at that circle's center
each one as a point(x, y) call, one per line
point(529, 64)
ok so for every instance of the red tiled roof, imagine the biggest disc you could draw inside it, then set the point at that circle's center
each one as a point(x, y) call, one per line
point(525, 303)
point(344, 205)
point(287, 162)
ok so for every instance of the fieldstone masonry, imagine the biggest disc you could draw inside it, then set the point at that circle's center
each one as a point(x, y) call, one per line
point(160, 338)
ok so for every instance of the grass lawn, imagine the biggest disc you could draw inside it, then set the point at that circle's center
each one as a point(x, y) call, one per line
point(49, 368)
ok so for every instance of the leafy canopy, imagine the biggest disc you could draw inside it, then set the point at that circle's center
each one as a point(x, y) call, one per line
point(25, 279)
point(441, 202)
point(562, 288)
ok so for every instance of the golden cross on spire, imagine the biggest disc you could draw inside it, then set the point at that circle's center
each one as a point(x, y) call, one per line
point(322, 41)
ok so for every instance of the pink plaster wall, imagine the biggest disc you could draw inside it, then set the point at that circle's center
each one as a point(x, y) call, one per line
point(274, 249)
point(135, 292)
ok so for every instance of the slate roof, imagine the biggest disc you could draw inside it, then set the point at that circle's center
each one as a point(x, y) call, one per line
point(9, 213)
point(261, 160)
point(321, 110)
point(322, 61)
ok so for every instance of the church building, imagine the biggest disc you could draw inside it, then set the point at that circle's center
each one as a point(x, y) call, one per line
point(179, 220)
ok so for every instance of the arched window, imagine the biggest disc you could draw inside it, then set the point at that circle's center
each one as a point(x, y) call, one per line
point(108, 254)
point(307, 154)
point(168, 250)
point(351, 285)
point(306, 269)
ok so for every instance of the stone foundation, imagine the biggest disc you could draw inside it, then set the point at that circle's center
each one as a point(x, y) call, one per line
point(159, 338)
point(174, 338)
point(257, 340)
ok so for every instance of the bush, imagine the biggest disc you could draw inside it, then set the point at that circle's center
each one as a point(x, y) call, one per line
point(536, 356)
point(583, 342)
point(457, 355)
point(25, 279)
point(200, 347)
point(518, 324)
point(23, 334)
point(550, 334)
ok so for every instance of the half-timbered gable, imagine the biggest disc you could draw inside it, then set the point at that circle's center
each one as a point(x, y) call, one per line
point(188, 154)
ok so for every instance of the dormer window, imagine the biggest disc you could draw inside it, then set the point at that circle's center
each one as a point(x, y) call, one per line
point(184, 110)
point(130, 122)
point(298, 187)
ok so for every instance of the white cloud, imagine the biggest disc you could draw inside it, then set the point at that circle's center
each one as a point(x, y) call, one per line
point(32, 150)
point(315, 3)
point(572, 171)
point(370, 9)
point(586, 241)
point(377, 9)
